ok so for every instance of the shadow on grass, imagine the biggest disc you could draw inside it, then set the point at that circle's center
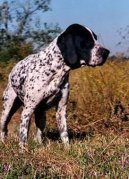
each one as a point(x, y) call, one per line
point(54, 135)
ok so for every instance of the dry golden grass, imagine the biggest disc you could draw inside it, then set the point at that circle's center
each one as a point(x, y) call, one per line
point(99, 139)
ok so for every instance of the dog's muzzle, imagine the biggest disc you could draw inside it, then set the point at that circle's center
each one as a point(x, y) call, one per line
point(98, 57)
point(103, 52)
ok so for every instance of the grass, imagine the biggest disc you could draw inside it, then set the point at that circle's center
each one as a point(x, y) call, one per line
point(99, 139)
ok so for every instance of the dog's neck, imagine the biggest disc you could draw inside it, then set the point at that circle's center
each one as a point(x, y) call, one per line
point(55, 57)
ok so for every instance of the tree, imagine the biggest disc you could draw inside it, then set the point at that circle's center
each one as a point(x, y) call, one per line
point(20, 27)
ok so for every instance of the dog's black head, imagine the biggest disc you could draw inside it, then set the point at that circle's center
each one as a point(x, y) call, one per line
point(79, 47)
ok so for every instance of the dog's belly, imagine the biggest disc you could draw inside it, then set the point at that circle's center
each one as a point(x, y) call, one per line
point(50, 101)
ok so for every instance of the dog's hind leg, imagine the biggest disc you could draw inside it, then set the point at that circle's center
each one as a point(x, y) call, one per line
point(10, 105)
point(40, 121)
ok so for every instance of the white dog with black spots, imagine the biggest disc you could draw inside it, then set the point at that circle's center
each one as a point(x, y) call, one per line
point(41, 80)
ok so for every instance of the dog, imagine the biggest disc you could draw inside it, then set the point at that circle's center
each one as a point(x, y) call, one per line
point(41, 80)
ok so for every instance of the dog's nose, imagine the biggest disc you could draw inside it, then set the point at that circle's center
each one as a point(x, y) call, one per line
point(104, 52)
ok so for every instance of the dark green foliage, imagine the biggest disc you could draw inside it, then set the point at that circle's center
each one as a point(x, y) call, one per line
point(21, 29)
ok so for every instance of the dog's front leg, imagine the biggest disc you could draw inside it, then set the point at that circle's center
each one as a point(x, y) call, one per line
point(61, 114)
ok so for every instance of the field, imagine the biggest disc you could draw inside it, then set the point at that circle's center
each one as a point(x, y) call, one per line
point(98, 124)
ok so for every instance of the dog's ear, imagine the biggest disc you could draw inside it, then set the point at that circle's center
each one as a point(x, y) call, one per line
point(66, 44)
point(69, 42)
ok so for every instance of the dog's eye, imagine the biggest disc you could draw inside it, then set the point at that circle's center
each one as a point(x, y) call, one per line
point(82, 44)
point(89, 45)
